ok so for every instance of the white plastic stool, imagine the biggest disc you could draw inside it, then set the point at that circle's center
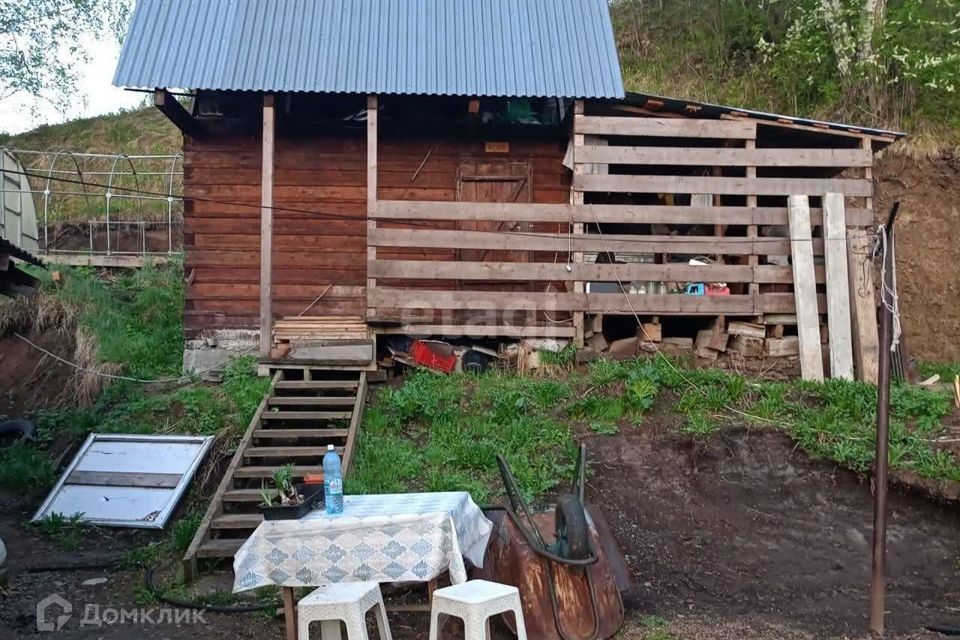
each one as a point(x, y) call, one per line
point(347, 601)
point(475, 602)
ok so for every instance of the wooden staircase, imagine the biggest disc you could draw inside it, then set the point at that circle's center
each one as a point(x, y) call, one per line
point(304, 411)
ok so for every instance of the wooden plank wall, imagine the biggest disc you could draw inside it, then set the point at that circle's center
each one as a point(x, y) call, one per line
point(319, 225)
point(654, 167)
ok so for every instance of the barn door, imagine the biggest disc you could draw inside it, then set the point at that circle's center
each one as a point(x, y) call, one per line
point(493, 181)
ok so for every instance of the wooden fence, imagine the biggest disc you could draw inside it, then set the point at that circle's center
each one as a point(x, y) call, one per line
point(631, 175)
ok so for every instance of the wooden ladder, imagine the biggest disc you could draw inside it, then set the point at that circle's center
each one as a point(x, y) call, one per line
point(304, 411)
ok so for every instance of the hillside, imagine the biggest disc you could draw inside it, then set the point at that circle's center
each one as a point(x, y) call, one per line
point(140, 131)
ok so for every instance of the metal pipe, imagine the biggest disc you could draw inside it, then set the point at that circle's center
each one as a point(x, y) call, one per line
point(880, 482)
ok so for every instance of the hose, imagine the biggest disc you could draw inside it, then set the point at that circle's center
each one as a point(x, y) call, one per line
point(186, 604)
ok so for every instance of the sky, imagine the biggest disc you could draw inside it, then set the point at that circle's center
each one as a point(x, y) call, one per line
point(95, 96)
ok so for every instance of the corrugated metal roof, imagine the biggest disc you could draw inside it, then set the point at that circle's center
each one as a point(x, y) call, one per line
point(555, 48)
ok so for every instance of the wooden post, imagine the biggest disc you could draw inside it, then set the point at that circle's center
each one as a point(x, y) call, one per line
point(372, 107)
point(805, 289)
point(753, 260)
point(838, 286)
point(290, 612)
point(578, 229)
point(866, 341)
point(266, 227)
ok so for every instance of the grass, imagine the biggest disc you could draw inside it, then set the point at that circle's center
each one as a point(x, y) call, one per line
point(947, 371)
point(132, 325)
point(66, 531)
point(439, 433)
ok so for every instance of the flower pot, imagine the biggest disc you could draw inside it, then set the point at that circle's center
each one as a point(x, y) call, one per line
point(312, 499)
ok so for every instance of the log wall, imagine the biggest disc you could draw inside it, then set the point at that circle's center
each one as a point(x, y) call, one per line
point(319, 243)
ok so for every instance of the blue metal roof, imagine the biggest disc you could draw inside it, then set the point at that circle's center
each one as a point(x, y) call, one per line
point(555, 48)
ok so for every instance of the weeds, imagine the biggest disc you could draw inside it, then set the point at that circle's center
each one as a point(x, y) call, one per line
point(442, 433)
point(65, 531)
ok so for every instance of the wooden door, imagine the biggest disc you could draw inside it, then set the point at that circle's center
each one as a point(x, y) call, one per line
point(493, 181)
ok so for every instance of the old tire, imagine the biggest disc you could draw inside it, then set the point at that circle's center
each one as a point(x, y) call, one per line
point(12, 431)
point(573, 532)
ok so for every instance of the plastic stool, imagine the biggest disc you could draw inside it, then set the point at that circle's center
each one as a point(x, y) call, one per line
point(347, 601)
point(475, 602)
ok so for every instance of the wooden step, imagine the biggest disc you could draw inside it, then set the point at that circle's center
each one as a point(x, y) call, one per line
point(342, 401)
point(222, 548)
point(266, 472)
point(288, 452)
point(317, 384)
point(305, 415)
point(237, 521)
point(281, 433)
point(245, 495)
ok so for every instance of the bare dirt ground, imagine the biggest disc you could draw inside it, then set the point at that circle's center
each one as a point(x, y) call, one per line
point(928, 248)
point(736, 536)
point(742, 532)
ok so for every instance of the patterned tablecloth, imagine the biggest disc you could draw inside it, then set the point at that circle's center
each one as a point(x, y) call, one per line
point(380, 538)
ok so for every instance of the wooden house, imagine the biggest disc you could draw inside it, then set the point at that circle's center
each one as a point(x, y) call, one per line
point(462, 168)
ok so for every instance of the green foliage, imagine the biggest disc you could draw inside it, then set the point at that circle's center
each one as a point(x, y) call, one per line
point(441, 433)
point(898, 70)
point(24, 466)
point(65, 531)
point(183, 530)
point(564, 358)
point(44, 45)
point(947, 371)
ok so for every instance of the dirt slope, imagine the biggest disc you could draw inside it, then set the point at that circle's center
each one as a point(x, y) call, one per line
point(928, 249)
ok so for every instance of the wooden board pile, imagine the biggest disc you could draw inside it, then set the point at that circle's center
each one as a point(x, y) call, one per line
point(290, 330)
point(748, 340)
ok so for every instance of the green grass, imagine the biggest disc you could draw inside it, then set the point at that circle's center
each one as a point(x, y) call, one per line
point(66, 531)
point(442, 433)
point(439, 433)
point(135, 319)
point(947, 371)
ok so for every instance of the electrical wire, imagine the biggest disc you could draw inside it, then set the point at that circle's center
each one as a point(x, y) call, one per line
point(112, 376)
point(705, 240)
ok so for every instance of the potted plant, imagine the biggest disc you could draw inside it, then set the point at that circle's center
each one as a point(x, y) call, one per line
point(288, 500)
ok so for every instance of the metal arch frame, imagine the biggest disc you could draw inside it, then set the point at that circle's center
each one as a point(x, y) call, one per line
point(46, 190)
point(173, 169)
point(165, 172)
point(109, 194)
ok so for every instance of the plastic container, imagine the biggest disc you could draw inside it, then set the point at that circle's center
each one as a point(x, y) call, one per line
point(332, 482)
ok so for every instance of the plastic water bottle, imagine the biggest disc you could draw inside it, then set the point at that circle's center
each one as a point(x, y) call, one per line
point(332, 482)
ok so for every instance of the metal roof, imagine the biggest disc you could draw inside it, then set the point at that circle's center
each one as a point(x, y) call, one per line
point(551, 48)
point(708, 110)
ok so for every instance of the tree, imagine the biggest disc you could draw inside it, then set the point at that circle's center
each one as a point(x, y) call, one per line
point(40, 45)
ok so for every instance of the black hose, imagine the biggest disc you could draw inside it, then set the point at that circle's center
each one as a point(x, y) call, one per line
point(945, 629)
point(186, 604)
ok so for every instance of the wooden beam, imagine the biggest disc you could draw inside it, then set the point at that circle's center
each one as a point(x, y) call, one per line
point(266, 225)
point(722, 186)
point(174, 111)
point(125, 479)
point(805, 289)
point(606, 213)
point(480, 330)
point(372, 113)
point(558, 272)
point(577, 228)
point(666, 127)
point(708, 157)
point(838, 288)
point(659, 304)
point(510, 241)
point(866, 340)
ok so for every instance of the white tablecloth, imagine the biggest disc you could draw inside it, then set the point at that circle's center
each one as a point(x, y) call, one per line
point(380, 538)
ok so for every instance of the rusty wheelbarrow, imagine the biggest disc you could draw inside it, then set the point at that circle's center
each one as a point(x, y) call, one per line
point(564, 562)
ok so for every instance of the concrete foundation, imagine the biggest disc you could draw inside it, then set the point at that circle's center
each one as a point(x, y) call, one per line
point(206, 356)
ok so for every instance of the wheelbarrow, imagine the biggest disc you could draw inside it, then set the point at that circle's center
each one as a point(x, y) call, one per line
point(564, 562)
